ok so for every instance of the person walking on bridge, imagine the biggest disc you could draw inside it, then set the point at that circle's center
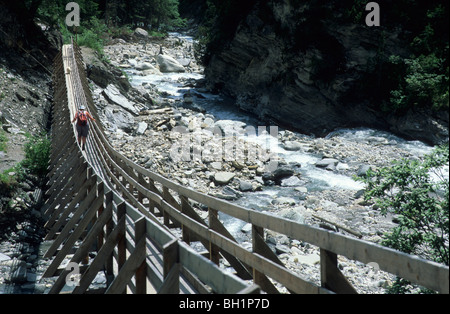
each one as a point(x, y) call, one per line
point(82, 117)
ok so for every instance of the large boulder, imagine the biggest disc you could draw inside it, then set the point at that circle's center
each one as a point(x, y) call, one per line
point(168, 64)
point(140, 33)
point(101, 73)
point(280, 173)
point(119, 119)
point(144, 66)
point(113, 95)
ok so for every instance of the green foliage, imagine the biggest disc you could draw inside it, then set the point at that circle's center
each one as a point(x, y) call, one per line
point(425, 84)
point(103, 19)
point(7, 181)
point(3, 140)
point(37, 155)
point(356, 11)
point(91, 35)
point(54, 11)
point(120, 31)
point(426, 72)
point(418, 193)
point(420, 79)
point(9, 178)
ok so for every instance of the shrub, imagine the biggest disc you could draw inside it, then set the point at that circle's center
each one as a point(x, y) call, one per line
point(37, 155)
point(418, 193)
point(425, 84)
point(3, 140)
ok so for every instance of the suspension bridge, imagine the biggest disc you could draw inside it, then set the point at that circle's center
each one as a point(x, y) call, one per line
point(106, 214)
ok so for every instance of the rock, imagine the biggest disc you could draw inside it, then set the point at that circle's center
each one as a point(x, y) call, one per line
point(327, 162)
point(101, 73)
point(418, 124)
point(226, 197)
point(247, 228)
point(184, 61)
point(278, 174)
point(377, 140)
point(144, 66)
point(20, 96)
point(291, 181)
point(283, 200)
point(31, 277)
point(245, 186)
point(301, 189)
point(232, 192)
point(152, 71)
point(119, 119)
point(282, 249)
point(142, 127)
point(207, 123)
point(113, 95)
point(311, 259)
point(362, 170)
point(294, 214)
point(342, 166)
point(282, 172)
point(141, 33)
point(4, 257)
point(245, 64)
point(237, 164)
point(216, 165)
point(230, 127)
point(188, 99)
point(223, 177)
point(169, 64)
point(292, 146)
point(18, 272)
point(133, 62)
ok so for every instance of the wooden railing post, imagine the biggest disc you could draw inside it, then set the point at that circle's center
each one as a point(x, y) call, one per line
point(141, 272)
point(121, 244)
point(330, 276)
point(260, 247)
point(185, 231)
point(171, 255)
point(214, 254)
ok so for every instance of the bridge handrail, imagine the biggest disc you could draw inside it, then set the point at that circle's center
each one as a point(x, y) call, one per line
point(81, 202)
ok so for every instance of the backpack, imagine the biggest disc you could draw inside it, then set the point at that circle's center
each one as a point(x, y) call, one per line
point(82, 118)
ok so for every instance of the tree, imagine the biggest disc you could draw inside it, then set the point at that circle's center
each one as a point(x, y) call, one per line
point(417, 191)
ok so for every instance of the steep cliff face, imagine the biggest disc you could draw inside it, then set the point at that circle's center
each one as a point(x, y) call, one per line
point(311, 68)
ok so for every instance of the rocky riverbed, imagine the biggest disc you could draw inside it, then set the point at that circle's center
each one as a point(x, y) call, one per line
point(177, 127)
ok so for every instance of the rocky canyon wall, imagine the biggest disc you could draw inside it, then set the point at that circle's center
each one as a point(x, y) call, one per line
point(311, 68)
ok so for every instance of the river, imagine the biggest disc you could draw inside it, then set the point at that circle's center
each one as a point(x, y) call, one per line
point(313, 178)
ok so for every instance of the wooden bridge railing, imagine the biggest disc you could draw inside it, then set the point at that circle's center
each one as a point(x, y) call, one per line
point(83, 212)
point(167, 205)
